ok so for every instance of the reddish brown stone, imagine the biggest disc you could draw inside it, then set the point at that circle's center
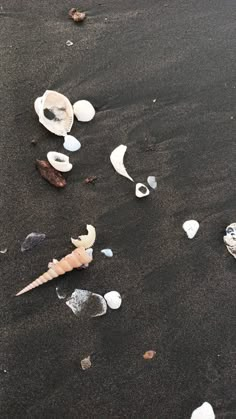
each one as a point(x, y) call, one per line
point(50, 174)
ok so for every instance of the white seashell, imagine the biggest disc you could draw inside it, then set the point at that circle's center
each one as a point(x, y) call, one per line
point(86, 241)
point(69, 43)
point(117, 160)
point(59, 161)
point(38, 105)
point(84, 110)
point(56, 113)
point(107, 252)
point(151, 180)
point(86, 363)
point(191, 228)
point(71, 143)
point(139, 193)
point(205, 411)
point(113, 299)
point(230, 239)
point(83, 302)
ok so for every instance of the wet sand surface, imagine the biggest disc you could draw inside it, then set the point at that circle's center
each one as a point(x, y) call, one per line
point(178, 294)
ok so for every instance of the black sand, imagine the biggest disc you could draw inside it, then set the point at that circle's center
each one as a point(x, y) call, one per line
point(178, 295)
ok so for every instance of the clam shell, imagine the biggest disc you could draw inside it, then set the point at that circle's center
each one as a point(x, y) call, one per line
point(113, 299)
point(191, 228)
point(55, 113)
point(84, 110)
point(59, 161)
point(205, 411)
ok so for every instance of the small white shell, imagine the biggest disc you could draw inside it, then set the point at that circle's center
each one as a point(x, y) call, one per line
point(117, 161)
point(151, 180)
point(205, 411)
point(38, 105)
point(84, 110)
point(191, 228)
point(113, 299)
point(107, 252)
point(71, 143)
point(87, 240)
point(140, 194)
point(56, 113)
point(59, 161)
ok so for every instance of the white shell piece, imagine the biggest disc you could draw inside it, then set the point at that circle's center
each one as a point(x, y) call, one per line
point(205, 411)
point(56, 113)
point(86, 241)
point(151, 180)
point(82, 302)
point(59, 161)
point(38, 105)
point(113, 299)
point(69, 43)
point(84, 110)
point(191, 228)
point(140, 194)
point(117, 161)
point(107, 252)
point(71, 143)
point(230, 239)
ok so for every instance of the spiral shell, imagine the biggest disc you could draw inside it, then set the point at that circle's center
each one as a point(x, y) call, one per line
point(73, 260)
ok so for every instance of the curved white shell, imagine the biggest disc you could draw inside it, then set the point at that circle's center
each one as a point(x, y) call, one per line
point(60, 110)
point(113, 299)
point(151, 180)
point(117, 161)
point(230, 239)
point(38, 105)
point(140, 194)
point(59, 161)
point(71, 143)
point(205, 411)
point(86, 241)
point(84, 110)
point(191, 228)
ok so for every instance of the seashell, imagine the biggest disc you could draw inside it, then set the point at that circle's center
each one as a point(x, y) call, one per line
point(151, 180)
point(76, 15)
point(86, 363)
point(32, 240)
point(113, 299)
point(117, 161)
point(149, 354)
point(69, 43)
point(230, 239)
point(84, 110)
point(50, 174)
point(139, 193)
point(73, 260)
point(87, 240)
point(71, 143)
point(83, 302)
point(38, 105)
point(205, 411)
point(56, 113)
point(3, 251)
point(107, 252)
point(59, 161)
point(191, 228)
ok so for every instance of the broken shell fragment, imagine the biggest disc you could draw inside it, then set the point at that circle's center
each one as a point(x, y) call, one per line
point(149, 355)
point(230, 239)
point(76, 15)
point(117, 161)
point(191, 228)
point(151, 180)
point(86, 363)
point(84, 110)
point(113, 299)
point(55, 112)
point(205, 411)
point(87, 240)
point(32, 240)
point(50, 174)
point(86, 303)
point(69, 43)
point(59, 161)
point(71, 261)
point(3, 251)
point(107, 252)
point(38, 105)
point(141, 190)
point(71, 143)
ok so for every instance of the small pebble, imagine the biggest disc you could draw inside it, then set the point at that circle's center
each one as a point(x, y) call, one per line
point(149, 354)
point(113, 299)
point(71, 143)
point(107, 252)
point(86, 363)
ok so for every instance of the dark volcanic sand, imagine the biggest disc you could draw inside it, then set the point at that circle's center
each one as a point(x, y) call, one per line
point(178, 295)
